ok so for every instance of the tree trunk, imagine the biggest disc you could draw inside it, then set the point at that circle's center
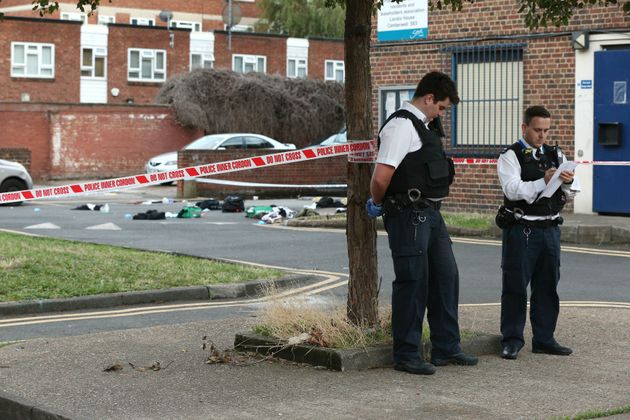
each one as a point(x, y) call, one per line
point(360, 230)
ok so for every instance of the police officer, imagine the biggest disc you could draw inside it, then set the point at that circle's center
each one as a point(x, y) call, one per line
point(531, 240)
point(411, 177)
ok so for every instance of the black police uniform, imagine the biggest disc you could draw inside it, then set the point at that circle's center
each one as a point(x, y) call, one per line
point(426, 275)
point(531, 254)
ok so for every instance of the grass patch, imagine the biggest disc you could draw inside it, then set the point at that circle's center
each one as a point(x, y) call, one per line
point(459, 220)
point(9, 343)
point(44, 268)
point(597, 414)
point(469, 220)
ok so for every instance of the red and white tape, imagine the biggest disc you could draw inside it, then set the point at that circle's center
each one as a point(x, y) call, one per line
point(359, 152)
point(483, 161)
point(358, 148)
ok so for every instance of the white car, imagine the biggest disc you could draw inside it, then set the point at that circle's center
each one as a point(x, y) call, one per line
point(337, 138)
point(168, 161)
point(14, 177)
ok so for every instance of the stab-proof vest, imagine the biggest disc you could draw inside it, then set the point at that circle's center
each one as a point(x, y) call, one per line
point(533, 169)
point(427, 169)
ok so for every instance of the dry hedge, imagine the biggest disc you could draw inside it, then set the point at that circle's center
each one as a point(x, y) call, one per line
point(290, 110)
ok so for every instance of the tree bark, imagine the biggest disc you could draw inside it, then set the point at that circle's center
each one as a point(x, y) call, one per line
point(360, 230)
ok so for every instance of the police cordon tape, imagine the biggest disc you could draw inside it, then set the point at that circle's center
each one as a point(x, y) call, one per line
point(484, 161)
point(362, 151)
point(358, 151)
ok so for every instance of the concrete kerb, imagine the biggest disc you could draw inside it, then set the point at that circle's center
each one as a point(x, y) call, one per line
point(191, 293)
point(377, 356)
point(575, 234)
point(16, 408)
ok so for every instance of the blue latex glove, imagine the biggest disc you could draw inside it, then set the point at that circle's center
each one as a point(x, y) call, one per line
point(373, 210)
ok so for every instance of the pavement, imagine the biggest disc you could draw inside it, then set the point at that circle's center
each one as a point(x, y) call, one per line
point(163, 372)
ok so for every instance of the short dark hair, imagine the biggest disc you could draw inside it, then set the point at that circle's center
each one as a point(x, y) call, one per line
point(536, 111)
point(440, 85)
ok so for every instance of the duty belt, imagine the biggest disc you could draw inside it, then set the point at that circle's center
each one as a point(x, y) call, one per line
point(412, 199)
point(541, 223)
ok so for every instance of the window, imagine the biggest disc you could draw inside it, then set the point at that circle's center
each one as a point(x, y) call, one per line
point(257, 143)
point(392, 98)
point(193, 26)
point(32, 60)
point(201, 61)
point(297, 67)
point(490, 82)
point(93, 62)
point(147, 65)
point(104, 20)
point(232, 143)
point(239, 28)
point(74, 16)
point(247, 63)
point(142, 21)
point(335, 70)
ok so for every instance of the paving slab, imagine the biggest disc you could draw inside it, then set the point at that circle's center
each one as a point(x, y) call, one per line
point(67, 377)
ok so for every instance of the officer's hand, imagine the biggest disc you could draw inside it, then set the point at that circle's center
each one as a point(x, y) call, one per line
point(373, 210)
point(567, 177)
point(548, 174)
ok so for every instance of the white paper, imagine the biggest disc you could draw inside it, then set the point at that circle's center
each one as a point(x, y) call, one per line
point(555, 181)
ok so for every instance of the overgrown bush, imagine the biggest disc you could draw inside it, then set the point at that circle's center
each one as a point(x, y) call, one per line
point(298, 111)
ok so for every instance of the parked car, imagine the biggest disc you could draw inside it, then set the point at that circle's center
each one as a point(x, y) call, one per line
point(337, 138)
point(14, 177)
point(168, 161)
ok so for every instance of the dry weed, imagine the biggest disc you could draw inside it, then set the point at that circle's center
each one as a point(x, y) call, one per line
point(320, 325)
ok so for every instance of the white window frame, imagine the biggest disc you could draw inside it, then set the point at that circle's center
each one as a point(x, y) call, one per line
point(186, 24)
point(239, 28)
point(144, 53)
point(337, 65)
point(79, 17)
point(105, 19)
point(140, 21)
point(96, 52)
point(205, 58)
point(250, 59)
point(300, 63)
point(35, 49)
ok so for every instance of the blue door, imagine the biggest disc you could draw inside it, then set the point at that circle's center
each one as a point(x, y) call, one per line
point(611, 184)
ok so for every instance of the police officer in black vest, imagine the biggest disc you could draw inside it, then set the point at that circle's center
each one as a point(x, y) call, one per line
point(411, 176)
point(531, 236)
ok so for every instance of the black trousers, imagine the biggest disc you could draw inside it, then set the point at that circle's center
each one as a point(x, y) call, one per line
point(531, 256)
point(426, 277)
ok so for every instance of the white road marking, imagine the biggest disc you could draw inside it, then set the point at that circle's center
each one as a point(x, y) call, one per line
point(104, 226)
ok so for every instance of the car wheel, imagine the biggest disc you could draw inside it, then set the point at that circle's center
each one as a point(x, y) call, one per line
point(12, 185)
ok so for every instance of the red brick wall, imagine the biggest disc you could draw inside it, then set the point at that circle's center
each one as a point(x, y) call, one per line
point(26, 125)
point(549, 65)
point(208, 7)
point(319, 51)
point(90, 141)
point(271, 46)
point(65, 36)
point(20, 155)
point(311, 172)
point(122, 37)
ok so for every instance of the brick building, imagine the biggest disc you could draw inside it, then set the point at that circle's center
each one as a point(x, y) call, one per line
point(125, 51)
point(501, 68)
point(56, 68)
